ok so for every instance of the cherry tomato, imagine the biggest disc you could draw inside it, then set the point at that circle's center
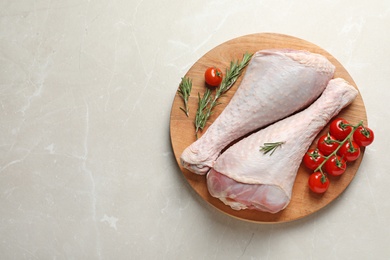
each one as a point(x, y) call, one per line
point(335, 166)
point(313, 158)
point(213, 76)
point(363, 136)
point(350, 151)
point(318, 182)
point(327, 144)
point(340, 128)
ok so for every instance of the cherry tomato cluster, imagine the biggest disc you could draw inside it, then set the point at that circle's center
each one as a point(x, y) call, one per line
point(334, 150)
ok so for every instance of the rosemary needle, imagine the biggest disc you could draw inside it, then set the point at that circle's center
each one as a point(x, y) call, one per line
point(184, 92)
point(204, 112)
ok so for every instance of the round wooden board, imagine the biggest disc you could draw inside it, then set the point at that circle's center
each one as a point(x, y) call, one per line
point(303, 202)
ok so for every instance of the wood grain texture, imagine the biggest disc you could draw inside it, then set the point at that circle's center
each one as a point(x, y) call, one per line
point(303, 202)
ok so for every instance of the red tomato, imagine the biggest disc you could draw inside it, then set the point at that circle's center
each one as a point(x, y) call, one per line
point(213, 76)
point(335, 166)
point(350, 151)
point(318, 182)
point(363, 136)
point(327, 144)
point(313, 158)
point(340, 128)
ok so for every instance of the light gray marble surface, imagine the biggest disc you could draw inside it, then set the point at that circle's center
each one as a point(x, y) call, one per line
point(86, 166)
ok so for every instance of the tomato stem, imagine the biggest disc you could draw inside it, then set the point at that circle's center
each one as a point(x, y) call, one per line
point(315, 154)
point(365, 132)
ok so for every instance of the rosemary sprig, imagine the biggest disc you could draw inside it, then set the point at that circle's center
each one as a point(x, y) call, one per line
point(202, 112)
point(270, 147)
point(231, 76)
point(184, 92)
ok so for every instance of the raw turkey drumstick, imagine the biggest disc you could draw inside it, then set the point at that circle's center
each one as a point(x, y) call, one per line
point(276, 84)
point(244, 177)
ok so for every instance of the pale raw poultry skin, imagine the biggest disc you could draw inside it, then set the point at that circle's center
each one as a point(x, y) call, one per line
point(243, 177)
point(276, 84)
